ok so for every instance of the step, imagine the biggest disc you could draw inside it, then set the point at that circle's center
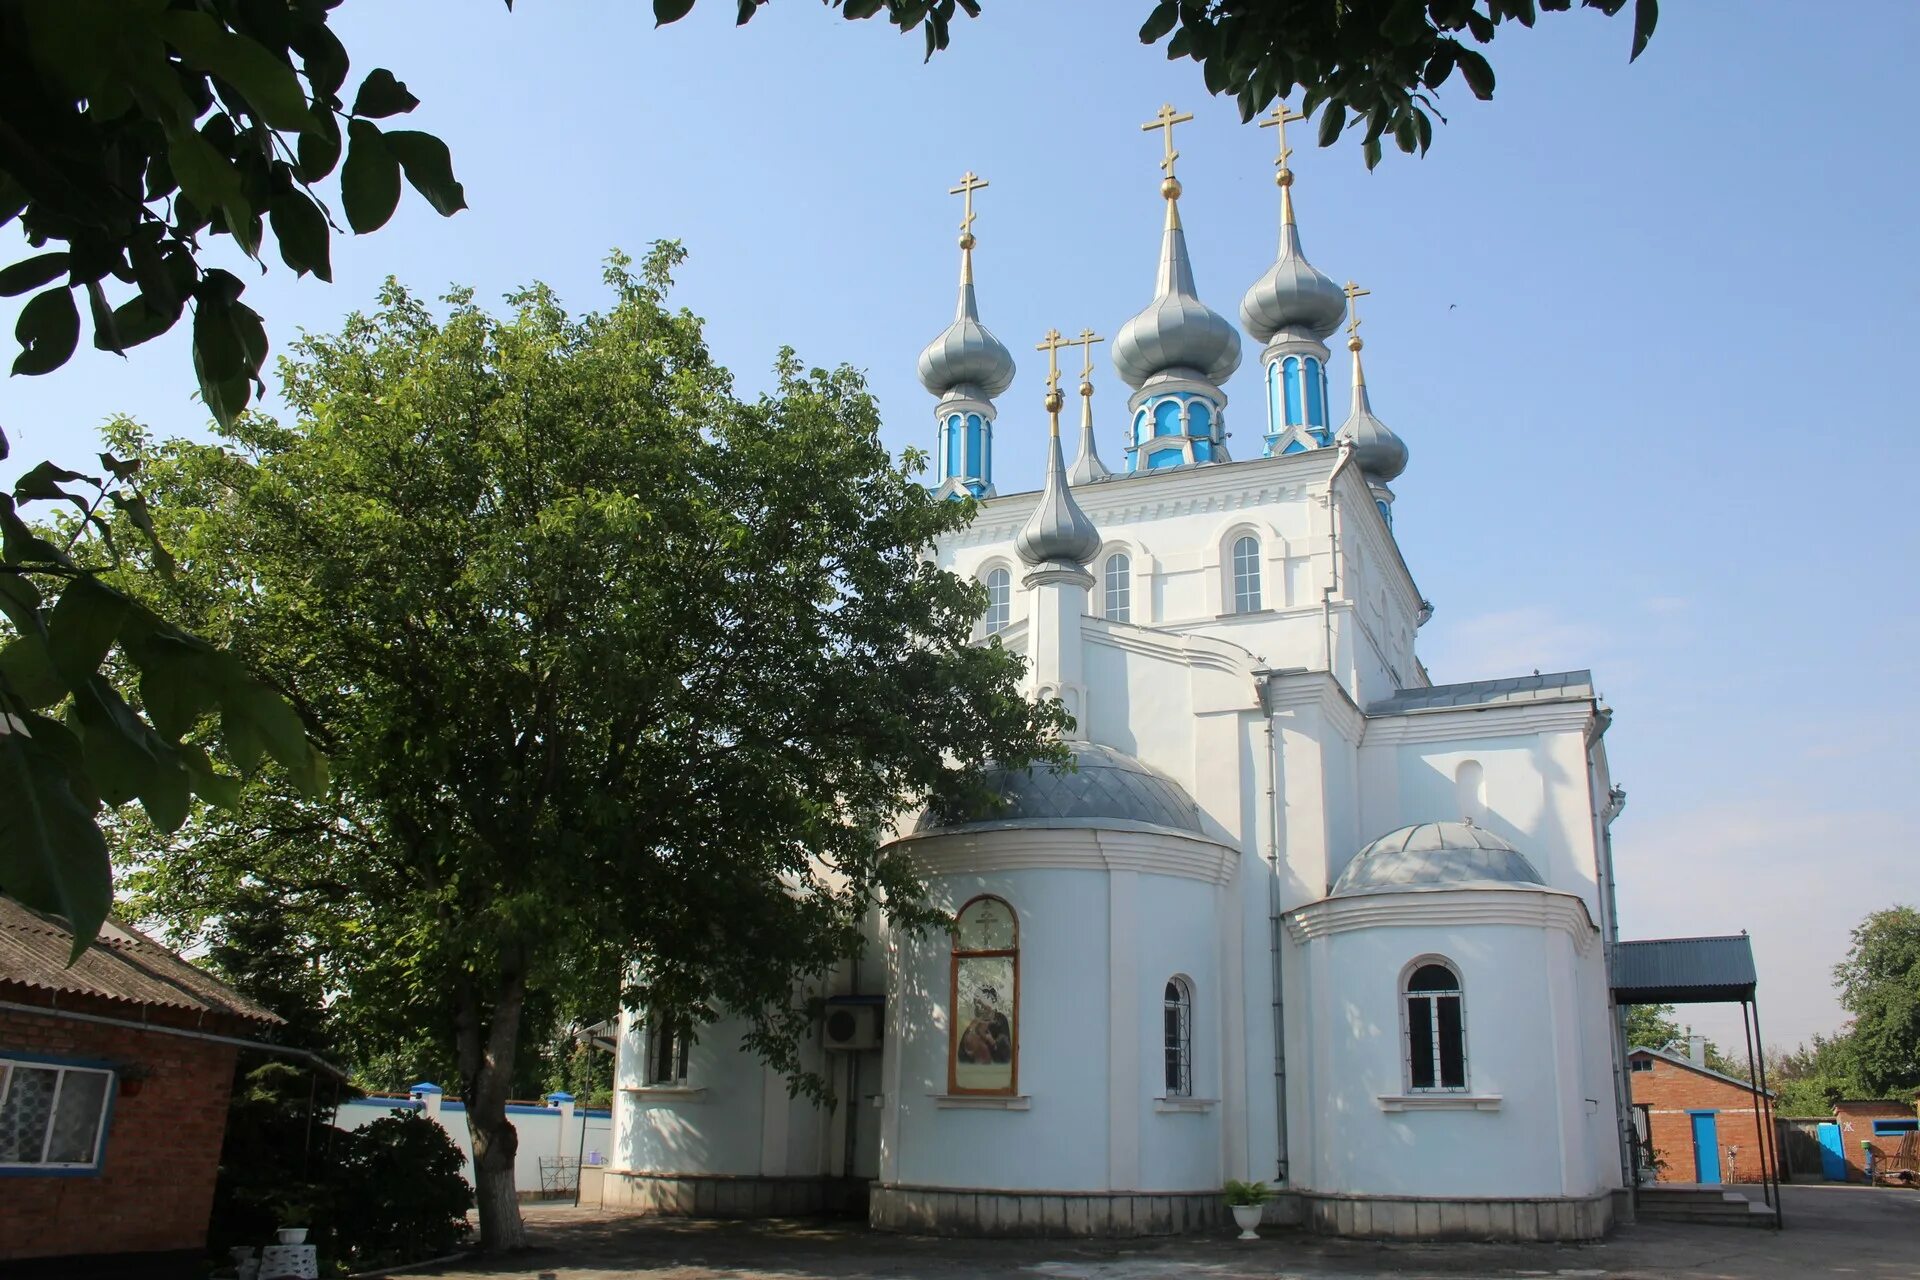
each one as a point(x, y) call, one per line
point(1702, 1205)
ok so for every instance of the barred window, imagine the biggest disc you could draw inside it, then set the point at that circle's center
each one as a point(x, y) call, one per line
point(1119, 582)
point(999, 600)
point(1436, 1029)
point(1246, 575)
point(52, 1116)
point(1179, 1036)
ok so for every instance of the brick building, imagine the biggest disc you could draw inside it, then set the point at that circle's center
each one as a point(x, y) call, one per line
point(114, 1079)
point(1880, 1121)
point(1700, 1123)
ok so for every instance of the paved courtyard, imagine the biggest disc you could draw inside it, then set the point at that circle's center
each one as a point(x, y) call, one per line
point(1831, 1231)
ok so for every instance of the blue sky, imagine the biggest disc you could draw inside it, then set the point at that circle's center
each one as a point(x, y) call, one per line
point(1639, 325)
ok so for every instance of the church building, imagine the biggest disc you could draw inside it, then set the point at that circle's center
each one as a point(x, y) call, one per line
point(1297, 914)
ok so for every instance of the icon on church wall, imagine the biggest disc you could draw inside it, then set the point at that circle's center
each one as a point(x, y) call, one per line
point(985, 1008)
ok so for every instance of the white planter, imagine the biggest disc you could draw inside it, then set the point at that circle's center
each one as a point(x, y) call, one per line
point(1247, 1217)
point(292, 1235)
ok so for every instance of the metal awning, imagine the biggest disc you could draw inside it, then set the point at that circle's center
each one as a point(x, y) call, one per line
point(1684, 971)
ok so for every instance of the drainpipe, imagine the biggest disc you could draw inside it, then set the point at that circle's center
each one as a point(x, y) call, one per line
point(1333, 559)
point(1273, 940)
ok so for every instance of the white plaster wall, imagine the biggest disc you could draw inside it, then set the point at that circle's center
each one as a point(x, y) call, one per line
point(1178, 1152)
point(717, 1130)
point(1060, 1143)
point(1517, 983)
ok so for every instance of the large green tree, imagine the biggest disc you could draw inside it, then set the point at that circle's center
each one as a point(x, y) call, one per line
point(1879, 984)
point(610, 663)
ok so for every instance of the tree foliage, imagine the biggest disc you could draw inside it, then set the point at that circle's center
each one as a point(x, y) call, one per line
point(1367, 66)
point(612, 666)
point(130, 128)
point(1879, 984)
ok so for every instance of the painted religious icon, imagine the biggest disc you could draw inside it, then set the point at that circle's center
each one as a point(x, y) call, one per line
point(985, 1005)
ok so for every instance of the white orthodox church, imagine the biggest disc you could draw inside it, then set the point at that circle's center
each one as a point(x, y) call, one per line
point(1297, 915)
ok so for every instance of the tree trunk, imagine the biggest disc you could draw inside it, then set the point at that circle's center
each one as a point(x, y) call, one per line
point(487, 1065)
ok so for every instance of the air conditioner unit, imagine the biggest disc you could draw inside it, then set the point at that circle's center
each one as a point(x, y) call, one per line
point(849, 1026)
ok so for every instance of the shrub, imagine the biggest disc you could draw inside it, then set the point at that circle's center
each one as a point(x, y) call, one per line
point(399, 1193)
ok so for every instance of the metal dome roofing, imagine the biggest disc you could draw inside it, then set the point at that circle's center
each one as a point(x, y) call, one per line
point(1435, 855)
point(1104, 787)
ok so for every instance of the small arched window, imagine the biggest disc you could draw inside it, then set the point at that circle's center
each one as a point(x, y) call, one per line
point(999, 600)
point(1118, 575)
point(1246, 575)
point(1436, 1029)
point(985, 988)
point(1291, 373)
point(1179, 1035)
point(1316, 379)
point(1470, 791)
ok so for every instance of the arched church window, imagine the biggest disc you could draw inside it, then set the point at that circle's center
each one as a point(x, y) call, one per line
point(1470, 791)
point(1291, 374)
point(999, 600)
point(985, 1026)
point(1119, 587)
point(1436, 1028)
point(666, 1059)
point(1316, 379)
point(1246, 575)
point(1179, 1037)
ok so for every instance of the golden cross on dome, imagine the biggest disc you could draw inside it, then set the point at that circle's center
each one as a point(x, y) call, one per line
point(969, 184)
point(1165, 122)
point(1085, 342)
point(1354, 293)
point(1280, 119)
point(1051, 344)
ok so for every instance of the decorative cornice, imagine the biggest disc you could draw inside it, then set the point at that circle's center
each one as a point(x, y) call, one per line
point(1535, 908)
point(990, 848)
point(1206, 652)
point(1284, 692)
point(1498, 720)
point(1439, 1101)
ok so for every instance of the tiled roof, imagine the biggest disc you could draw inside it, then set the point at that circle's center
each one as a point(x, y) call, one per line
point(121, 965)
point(1558, 686)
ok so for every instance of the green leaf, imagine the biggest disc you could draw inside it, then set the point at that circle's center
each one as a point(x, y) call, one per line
point(218, 359)
point(52, 855)
point(301, 229)
point(216, 788)
point(238, 734)
point(48, 330)
point(429, 168)
point(1646, 15)
point(1334, 120)
point(1160, 21)
point(28, 675)
point(204, 173)
point(31, 273)
point(267, 82)
point(319, 150)
point(135, 321)
point(134, 507)
point(19, 544)
point(20, 601)
point(281, 730)
point(370, 180)
point(1479, 75)
point(43, 483)
point(82, 627)
point(381, 96)
point(176, 685)
point(666, 11)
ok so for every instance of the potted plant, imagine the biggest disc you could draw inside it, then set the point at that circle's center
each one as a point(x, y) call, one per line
point(1245, 1199)
point(293, 1216)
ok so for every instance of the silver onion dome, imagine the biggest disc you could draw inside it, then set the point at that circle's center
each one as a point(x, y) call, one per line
point(966, 354)
point(1379, 453)
point(1293, 294)
point(1105, 788)
point(1176, 331)
point(1058, 532)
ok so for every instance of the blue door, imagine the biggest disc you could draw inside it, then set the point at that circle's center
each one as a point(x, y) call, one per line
point(1706, 1147)
point(1833, 1161)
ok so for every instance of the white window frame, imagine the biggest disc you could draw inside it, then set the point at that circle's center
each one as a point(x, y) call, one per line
point(8, 1067)
point(1116, 603)
point(1245, 574)
point(1432, 1000)
point(999, 615)
point(677, 1043)
point(1177, 1055)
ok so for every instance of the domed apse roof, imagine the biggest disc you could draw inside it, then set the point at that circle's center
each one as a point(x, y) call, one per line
point(1105, 786)
point(1435, 855)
